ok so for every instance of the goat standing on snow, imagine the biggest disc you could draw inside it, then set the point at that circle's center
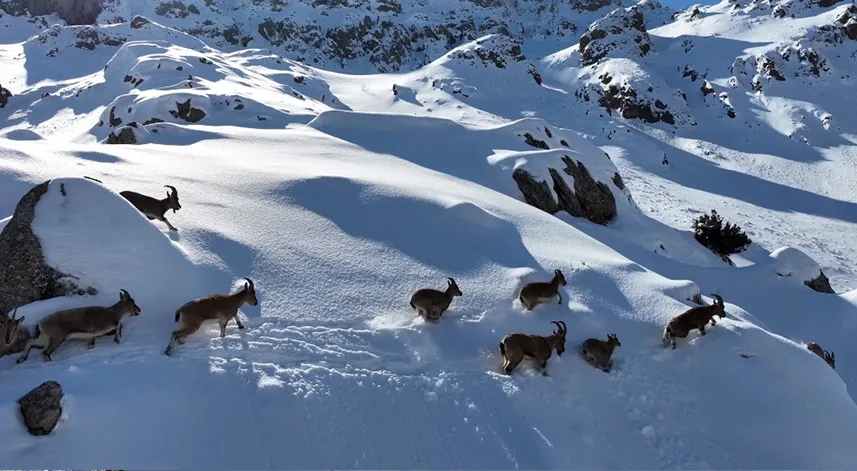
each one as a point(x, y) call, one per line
point(153, 208)
point(222, 307)
point(537, 292)
point(598, 352)
point(87, 323)
point(515, 346)
point(829, 357)
point(694, 318)
point(431, 303)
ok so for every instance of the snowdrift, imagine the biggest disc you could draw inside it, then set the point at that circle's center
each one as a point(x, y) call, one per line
point(336, 336)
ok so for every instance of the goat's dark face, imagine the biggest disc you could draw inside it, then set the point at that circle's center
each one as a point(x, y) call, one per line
point(130, 305)
point(612, 338)
point(453, 287)
point(250, 291)
point(173, 202)
point(9, 330)
point(559, 345)
point(558, 274)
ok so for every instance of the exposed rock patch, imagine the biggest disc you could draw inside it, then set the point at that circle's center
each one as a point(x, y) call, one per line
point(125, 135)
point(76, 12)
point(590, 199)
point(5, 94)
point(820, 284)
point(187, 112)
point(621, 33)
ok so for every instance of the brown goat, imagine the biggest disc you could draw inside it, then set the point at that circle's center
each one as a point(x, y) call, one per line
point(829, 357)
point(86, 323)
point(537, 292)
point(694, 318)
point(154, 208)
point(223, 307)
point(9, 328)
point(598, 352)
point(431, 303)
point(515, 346)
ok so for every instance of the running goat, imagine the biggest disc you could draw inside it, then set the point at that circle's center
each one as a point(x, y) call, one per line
point(598, 352)
point(84, 323)
point(154, 208)
point(223, 307)
point(431, 303)
point(829, 357)
point(538, 292)
point(695, 318)
point(515, 346)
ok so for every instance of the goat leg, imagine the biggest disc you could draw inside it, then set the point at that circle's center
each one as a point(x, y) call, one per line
point(117, 336)
point(91, 344)
point(560, 297)
point(544, 367)
point(702, 330)
point(713, 322)
point(237, 321)
point(164, 218)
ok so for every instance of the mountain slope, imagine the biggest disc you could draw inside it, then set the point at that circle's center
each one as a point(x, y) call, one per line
point(341, 194)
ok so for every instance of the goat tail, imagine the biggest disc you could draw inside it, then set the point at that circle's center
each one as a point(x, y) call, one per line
point(37, 331)
point(178, 314)
point(502, 349)
point(412, 305)
point(668, 333)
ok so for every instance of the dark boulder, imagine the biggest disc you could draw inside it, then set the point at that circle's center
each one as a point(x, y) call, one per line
point(41, 408)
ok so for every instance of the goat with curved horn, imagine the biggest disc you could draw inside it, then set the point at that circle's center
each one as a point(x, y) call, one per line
point(222, 307)
point(516, 346)
point(154, 208)
point(695, 318)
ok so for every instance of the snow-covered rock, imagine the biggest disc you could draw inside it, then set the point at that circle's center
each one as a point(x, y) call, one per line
point(790, 262)
point(622, 33)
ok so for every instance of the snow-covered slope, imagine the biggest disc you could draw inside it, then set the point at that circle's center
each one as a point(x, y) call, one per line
point(339, 195)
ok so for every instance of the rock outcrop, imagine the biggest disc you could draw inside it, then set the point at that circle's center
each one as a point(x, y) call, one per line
point(622, 33)
point(76, 12)
point(24, 274)
point(5, 94)
point(42, 408)
point(124, 135)
point(589, 199)
point(820, 284)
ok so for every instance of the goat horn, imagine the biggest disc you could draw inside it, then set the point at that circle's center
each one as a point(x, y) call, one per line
point(124, 293)
point(450, 280)
point(718, 298)
point(175, 192)
point(252, 287)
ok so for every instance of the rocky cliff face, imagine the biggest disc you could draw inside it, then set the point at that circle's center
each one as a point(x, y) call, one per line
point(356, 35)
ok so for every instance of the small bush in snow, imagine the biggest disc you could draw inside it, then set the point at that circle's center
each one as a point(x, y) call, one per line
point(724, 239)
